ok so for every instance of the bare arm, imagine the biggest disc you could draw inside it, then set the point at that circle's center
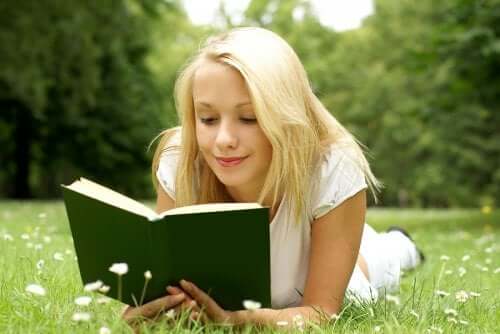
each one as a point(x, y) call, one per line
point(163, 201)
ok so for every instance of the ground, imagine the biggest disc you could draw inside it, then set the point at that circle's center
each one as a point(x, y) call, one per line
point(454, 291)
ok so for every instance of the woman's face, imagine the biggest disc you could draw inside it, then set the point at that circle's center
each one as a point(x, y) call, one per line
point(228, 134)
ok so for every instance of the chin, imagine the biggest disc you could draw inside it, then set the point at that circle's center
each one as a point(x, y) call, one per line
point(230, 181)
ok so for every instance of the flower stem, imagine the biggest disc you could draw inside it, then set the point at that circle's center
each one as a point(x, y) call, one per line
point(119, 287)
point(143, 291)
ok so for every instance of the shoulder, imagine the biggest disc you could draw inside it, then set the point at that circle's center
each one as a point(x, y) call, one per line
point(339, 176)
point(339, 160)
point(169, 159)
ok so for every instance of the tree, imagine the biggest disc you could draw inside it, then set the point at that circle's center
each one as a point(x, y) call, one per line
point(77, 96)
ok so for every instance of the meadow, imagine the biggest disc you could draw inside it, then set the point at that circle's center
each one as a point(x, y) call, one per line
point(456, 290)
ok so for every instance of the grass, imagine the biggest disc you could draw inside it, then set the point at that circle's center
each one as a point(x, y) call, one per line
point(39, 230)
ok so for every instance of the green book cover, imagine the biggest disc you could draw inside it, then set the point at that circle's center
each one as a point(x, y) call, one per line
point(223, 248)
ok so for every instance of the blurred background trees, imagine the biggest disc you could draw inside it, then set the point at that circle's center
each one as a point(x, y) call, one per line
point(85, 86)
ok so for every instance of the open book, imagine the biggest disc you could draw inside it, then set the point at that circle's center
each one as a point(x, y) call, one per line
point(222, 247)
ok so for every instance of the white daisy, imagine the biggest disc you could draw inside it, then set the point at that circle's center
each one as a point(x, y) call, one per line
point(104, 289)
point(93, 286)
point(148, 275)
point(103, 300)
point(83, 301)
point(170, 313)
point(451, 312)
point(461, 296)
point(58, 256)
point(251, 304)
point(104, 330)
point(119, 268)
point(35, 289)
point(81, 316)
point(442, 293)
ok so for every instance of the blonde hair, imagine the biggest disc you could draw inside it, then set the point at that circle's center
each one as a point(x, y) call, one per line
point(298, 126)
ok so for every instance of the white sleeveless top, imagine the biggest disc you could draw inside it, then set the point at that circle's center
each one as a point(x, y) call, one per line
point(338, 179)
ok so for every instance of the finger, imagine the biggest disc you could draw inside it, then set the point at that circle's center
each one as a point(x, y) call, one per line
point(204, 300)
point(174, 290)
point(154, 307)
point(187, 307)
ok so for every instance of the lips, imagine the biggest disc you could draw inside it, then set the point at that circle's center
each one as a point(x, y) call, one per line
point(231, 161)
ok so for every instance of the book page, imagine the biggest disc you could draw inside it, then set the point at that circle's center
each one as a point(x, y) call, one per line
point(211, 207)
point(106, 195)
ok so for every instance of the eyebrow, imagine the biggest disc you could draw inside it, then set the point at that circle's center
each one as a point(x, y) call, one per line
point(208, 105)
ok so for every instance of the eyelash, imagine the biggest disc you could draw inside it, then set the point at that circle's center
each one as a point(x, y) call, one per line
point(209, 120)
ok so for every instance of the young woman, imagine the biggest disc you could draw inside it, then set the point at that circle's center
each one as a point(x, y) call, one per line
point(252, 130)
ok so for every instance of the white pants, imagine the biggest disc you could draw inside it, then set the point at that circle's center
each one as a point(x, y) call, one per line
point(385, 255)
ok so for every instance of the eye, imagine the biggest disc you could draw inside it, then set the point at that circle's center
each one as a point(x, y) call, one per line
point(207, 120)
point(248, 120)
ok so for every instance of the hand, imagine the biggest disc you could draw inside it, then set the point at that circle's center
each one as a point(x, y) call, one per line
point(153, 308)
point(210, 310)
point(188, 304)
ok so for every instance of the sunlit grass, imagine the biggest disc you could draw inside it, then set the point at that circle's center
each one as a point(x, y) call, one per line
point(455, 291)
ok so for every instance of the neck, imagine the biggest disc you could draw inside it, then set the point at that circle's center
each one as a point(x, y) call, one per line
point(244, 194)
point(248, 196)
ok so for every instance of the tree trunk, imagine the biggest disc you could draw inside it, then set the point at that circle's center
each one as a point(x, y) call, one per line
point(22, 152)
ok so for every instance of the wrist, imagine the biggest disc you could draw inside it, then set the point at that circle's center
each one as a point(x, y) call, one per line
point(239, 318)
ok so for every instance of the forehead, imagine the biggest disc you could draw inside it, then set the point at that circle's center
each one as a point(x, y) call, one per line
point(214, 80)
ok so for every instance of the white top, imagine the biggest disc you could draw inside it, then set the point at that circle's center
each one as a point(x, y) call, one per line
point(338, 179)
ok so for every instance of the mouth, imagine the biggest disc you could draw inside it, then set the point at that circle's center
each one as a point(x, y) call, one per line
point(230, 162)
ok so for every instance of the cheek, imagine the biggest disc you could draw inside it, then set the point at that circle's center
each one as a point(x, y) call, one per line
point(203, 139)
point(265, 147)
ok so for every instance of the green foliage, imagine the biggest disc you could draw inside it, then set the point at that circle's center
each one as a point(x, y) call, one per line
point(418, 84)
point(78, 98)
point(84, 87)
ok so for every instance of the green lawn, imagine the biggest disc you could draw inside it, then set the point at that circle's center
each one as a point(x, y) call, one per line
point(462, 249)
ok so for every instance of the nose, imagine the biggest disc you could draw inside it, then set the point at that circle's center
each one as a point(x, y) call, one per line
point(227, 137)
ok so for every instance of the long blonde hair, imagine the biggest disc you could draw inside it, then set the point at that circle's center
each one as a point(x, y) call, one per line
point(298, 126)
